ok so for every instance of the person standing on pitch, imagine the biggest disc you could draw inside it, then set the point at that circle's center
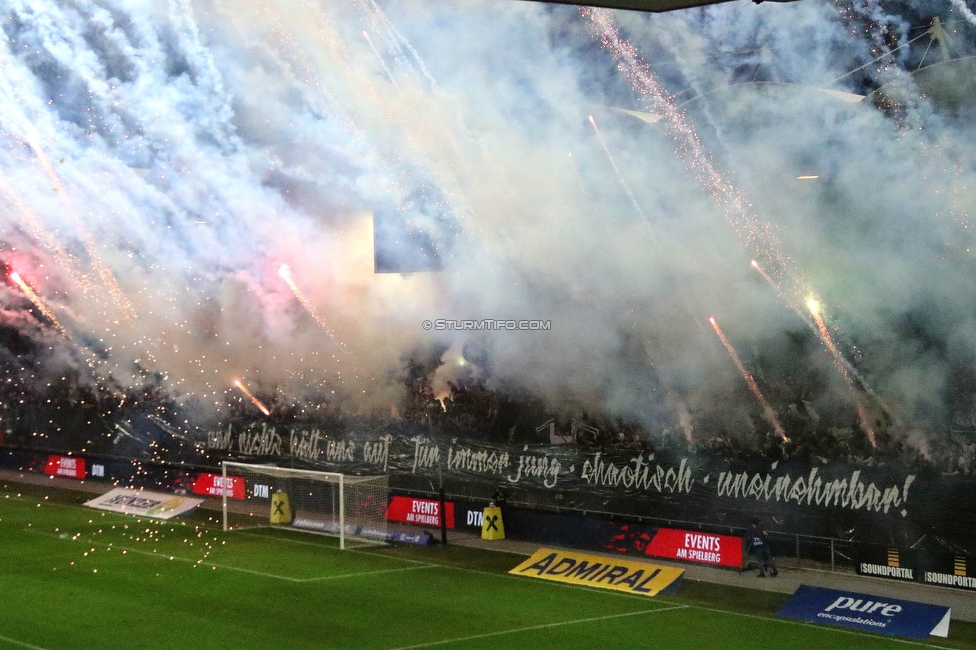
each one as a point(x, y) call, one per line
point(759, 545)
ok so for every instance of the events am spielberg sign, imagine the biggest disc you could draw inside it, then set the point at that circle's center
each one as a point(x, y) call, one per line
point(889, 505)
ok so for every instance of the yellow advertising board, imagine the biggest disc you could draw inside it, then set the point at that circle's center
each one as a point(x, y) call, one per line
point(632, 576)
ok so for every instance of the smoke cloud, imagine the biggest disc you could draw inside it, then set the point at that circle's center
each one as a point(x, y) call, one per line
point(160, 161)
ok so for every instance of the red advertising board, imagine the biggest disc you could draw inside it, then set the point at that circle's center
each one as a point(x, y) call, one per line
point(70, 466)
point(704, 548)
point(213, 485)
point(422, 512)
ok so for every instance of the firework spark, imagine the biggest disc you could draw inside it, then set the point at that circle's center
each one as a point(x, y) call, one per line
point(737, 209)
point(814, 308)
point(842, 366)
point(285, 272)
point(34, 298)
point(379, 57)
point(33, 139)
point(254, 400)
point(613, 163)
point(751, 382)
point(765, 275)
point(850, 374)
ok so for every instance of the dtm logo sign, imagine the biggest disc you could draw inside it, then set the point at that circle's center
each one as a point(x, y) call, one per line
point(476, 518)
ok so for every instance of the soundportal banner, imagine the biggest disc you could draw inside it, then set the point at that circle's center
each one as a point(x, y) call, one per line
point(608, 480)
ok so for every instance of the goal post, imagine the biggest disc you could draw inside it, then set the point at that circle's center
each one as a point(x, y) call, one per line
point(352, 508)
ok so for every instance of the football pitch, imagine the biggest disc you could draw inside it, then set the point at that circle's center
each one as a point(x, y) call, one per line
point(74, 577)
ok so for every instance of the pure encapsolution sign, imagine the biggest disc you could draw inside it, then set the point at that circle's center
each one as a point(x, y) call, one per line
point(868, 613)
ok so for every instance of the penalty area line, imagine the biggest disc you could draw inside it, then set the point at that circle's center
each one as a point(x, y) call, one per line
point(22, 644)
point(366, 573)
point(227, 567)
point(822, 627)
point(543, 626)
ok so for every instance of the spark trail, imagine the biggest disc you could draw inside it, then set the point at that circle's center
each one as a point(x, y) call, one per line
point(751, 382)
point(613, 163)
point(32, 137)
point(34, 298)
point(730, 199)
point(850, 374)
point(285, 272)
point(841, 364)
point(35, 226)
point(254, 400)
point(783, 274)
point(379, 57)
point(400, 42)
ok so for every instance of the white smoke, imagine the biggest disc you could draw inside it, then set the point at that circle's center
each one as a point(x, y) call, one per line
point(200, 145)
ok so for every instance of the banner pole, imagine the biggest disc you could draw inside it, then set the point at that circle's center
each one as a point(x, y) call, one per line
point(443, 517)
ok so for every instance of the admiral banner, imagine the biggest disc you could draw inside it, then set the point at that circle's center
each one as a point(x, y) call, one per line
point(867, 613)
point(139, 502)
point(614, 573)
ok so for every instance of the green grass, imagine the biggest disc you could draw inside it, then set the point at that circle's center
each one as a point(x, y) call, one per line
point(73, 577)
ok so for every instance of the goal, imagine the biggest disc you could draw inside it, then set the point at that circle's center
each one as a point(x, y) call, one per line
point(352, 508)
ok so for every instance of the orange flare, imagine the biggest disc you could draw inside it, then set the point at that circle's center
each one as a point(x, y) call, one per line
point(768, 412)
point(254, 400)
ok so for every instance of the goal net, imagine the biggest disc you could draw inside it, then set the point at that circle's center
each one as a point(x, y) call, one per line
point(352, 508)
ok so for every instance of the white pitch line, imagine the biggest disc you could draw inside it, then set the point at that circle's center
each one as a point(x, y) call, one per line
point(166, 556)
point(825, 628)
point(336, 549)
point(367, 573)
point(262, 573)
point(7, 639)
point(544, 626)
point(593, 589)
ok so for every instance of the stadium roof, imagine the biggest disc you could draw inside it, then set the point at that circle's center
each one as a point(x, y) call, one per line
point(650, 5)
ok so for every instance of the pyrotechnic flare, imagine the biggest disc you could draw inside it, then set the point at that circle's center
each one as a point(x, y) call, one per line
point(819, 327)
point(36, 227)
point(613, 163)
point(379, 57)
point(736, 207)
point(753, 386)
point(733, 203)
point(254, 400)
point(841, 365)
point(765, 275)
point(285, 272)
point(400, 42)
point(104, 272)
point(814, 308)
point(34, 298)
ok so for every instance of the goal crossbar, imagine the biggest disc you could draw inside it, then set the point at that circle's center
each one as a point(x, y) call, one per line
point(331, 503)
